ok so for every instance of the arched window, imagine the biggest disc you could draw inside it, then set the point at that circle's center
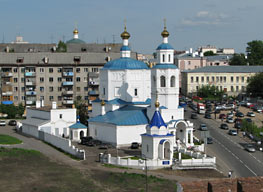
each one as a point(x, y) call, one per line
point(162, 81)
point(169, 57)
point(172, 83)
point(163, 57)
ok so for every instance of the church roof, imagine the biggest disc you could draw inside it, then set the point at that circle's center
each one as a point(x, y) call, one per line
point(78, 125)
point(75, 41)
point(165, 66)
point(122, 102)
point(164, 46)
point(128, 115)
point(125, 63)
point(157, 120)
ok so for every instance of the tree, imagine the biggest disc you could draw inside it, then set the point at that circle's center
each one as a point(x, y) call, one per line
point(255, 85)
point(209, 53)
point(255, 52)
point(20, 110)
point(209, 91)
point(62, 47)
point(238, 59)
point(82, 110)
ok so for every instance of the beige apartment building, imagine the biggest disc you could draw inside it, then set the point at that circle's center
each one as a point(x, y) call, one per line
point(231, 79)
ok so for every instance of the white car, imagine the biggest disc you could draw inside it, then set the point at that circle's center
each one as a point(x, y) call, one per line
point(251, 114)
point(230, 120)
point(2, 123)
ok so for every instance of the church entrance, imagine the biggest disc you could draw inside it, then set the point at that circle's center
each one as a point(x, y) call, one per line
point(167, 150)
point(81, 134)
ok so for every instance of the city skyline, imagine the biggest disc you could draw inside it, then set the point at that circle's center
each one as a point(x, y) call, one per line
point(191, 24)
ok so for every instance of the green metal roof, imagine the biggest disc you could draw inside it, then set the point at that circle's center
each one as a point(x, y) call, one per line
point(76, 41)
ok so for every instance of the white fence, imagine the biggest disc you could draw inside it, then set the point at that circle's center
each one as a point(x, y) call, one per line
point(139, 164)
point(205, 161)
point(62, 143)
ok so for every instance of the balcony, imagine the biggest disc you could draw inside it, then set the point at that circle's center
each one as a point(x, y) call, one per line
point(30, 102)
point(67, 92)
point(30, 74)
point(67, 83)
point(93, 74)
point(7, 74)
point(7, 93)
point(68, 74)
point(30, 83)
point(94, 83)
point(93, 92)
point(67, 102)
point(31, 93)
point(7, 83)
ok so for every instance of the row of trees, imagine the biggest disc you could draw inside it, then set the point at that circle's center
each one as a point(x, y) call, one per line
point(12, 111)
point(254, 55)
point(210, 92)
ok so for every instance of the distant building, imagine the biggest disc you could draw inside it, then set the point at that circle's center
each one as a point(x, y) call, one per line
point(230, 79)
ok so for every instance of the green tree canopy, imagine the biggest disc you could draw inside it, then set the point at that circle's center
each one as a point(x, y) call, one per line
point(255, 52)
point(82, 110)
point(255, 85)
point(209, 53)
point(62, 47)
point(209, 91)
point(238, 59)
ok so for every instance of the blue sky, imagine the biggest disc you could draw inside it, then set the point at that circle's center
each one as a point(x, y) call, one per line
point(191, 23)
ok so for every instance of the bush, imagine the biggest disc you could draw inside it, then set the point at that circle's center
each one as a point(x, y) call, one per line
point(251, 128)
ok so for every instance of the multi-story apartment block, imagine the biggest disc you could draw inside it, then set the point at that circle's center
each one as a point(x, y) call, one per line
point(231, 79)
point(31, 72)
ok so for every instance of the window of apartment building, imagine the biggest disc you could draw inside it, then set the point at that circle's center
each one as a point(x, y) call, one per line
point(189, 62)
point(51, 89)
point(197, 79)
point(41, 79)
point(15, 80)
point(237, 88)
point(248, 79)
point(42, 70)
point(221, 79)
point(22, 79)
point(243, 88)
point(50, 70)
point(237, 79)
point(23, 98)
point(207, 79)
point(59, 79)
point(78, 70)
point(15, 89)
point(192, 79)
point(59, 89)
point(217, 79)
point(232, 88)
point(135, 92)
point(213, 79)
point(41, 89)
point(15, 70)
point(22, 89)
point(69, 79)
point(232, 79)
point(86, 98)
point(78, 79)
point(51, 98)
point(197, 88)
point(15, 98)
point(86, 69)
point(95, 70)
point(78, 89)
point(22, 70)
point(224, 79)
point(202, 79)
point(242, 79)
point(59, 98)
point(86, 88)
point(59, 70)
point(42, 98)
point(50, 79)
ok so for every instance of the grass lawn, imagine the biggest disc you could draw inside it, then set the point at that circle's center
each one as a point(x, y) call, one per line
point(29, 170)
point(6, 139)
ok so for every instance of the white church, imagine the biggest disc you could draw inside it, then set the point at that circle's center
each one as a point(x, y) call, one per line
point(129, 90)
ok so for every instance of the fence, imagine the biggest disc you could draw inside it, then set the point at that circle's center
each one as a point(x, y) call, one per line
point(63, 144)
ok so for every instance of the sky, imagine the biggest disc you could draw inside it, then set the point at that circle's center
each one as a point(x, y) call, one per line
point(191, 23)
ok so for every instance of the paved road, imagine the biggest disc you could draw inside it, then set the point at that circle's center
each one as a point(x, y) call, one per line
point(229, 150)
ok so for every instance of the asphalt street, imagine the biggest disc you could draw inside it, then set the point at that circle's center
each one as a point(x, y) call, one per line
point(229, 150)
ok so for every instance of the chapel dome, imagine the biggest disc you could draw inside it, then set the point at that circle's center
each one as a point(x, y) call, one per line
point(125, 63)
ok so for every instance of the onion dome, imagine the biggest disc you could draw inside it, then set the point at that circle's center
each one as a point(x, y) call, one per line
point(125, 34)
point(157, 104)
point(165, 33)
point(102, 102)
point(75, 31)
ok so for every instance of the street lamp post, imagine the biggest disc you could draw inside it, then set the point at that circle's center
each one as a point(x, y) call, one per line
point(146, 172)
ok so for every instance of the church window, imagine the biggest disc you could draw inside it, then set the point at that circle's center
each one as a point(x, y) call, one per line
point(163, 57)
point(169, 58)
point(135, 92)
point(104, 91)
point(147, 148)
point(172, 81)
point(162, 81)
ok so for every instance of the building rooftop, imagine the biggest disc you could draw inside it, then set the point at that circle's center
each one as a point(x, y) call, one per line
point(48, 108)
point(227, 69)
point(125, 63)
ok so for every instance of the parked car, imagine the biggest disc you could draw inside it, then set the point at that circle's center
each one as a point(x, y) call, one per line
point(103, 146)
point(193, 116)
point(251, 114)
point(2, 123)
point(250, 148)
point(222, 116)
point(237, 125)
point(249, 120)
point(230, 120)
point(230, 115)
point(238, 120)
point(239, 114)
point(229, 106)
point(257, 109)
point(85, 140)
point(224, 126)
point(232, 132)
point(208, 116)
point(203, 127)
point(209, 140)
point(12, 123)
point(135, 145)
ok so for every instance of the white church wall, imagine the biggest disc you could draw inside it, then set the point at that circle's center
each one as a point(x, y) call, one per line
point(66, 115)
point(170, 114)
point(147, 141)
point(37, 113)
point(128, 134)
point(30, 130)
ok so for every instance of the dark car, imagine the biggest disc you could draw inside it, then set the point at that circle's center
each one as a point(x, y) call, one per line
point(239, 114)
point(238, 125)
point(135, 145)
point(224, 126)
point(85, 140)
point(12, 122)
point(209, 140)
point(249, 120)
point(208, 116)
point(193, 116)
point(222, 116)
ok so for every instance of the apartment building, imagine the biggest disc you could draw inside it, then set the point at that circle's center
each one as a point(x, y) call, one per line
point(231, 79)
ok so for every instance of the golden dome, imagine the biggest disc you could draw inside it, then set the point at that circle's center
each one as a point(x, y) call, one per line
point(165, 33)
point(125, 34)
point(75, 31)
point(102, 102)
point(157, 104)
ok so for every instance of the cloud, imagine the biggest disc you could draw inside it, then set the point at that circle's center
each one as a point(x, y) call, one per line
point(205, 18)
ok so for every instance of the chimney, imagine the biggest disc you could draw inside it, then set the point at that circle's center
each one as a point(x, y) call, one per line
point(191, 50)
point(54, 105)
point(38, 104)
